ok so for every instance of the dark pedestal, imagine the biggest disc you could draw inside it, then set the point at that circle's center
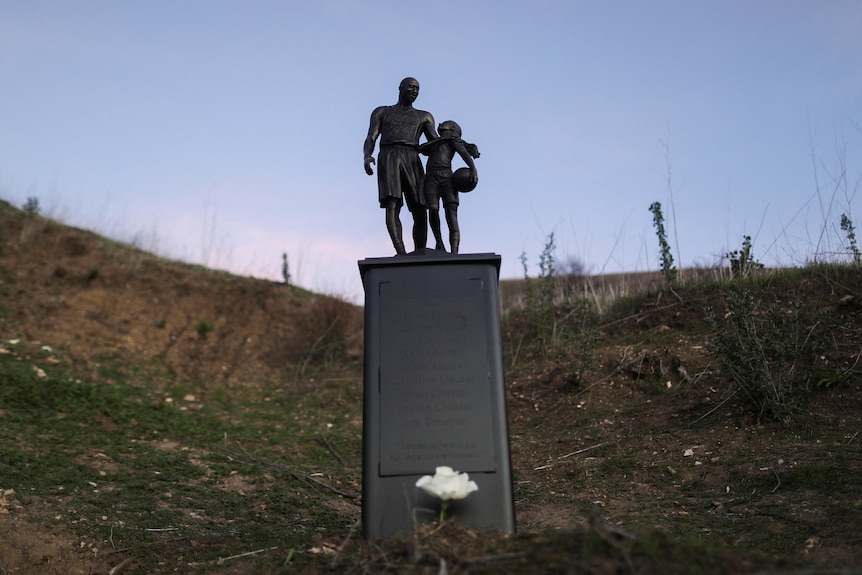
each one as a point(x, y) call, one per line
point(434, 390)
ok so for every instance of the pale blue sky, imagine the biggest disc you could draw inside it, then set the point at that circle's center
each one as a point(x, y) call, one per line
point(228, 132)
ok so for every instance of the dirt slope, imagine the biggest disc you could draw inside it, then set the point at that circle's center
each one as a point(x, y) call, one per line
point(97, 300)
point(647, 436)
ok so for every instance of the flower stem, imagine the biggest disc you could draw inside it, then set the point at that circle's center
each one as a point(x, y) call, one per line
point(443, 505)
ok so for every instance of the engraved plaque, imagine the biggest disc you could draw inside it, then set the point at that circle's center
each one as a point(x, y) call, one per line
point(434, 378)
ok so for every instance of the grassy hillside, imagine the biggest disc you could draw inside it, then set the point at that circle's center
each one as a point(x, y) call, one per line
point(162, 418)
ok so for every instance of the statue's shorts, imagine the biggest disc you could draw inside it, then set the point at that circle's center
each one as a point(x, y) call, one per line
point(438, 184)
point(400, 175)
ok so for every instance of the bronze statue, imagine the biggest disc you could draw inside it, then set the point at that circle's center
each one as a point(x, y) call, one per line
point(439, 181)
point(399, 170)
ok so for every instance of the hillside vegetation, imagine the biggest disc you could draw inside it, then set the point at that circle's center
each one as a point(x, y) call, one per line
point(163, 418)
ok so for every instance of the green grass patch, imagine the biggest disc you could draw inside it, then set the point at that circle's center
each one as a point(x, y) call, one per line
point(207, 480)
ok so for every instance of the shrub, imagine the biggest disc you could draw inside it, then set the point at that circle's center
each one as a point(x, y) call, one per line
point(31, 207)
point(538, 317)
point(768, 354)
point(742, 263)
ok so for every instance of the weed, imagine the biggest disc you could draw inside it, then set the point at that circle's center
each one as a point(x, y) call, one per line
point(540, 305)
point(547, 273)
point(850, 231)
point(667, 267)
point(31, 207)
point(528, 283)
point(285, 269)
point(585, 335)
point(770, 354)
point(203, 328)
point(742, 263)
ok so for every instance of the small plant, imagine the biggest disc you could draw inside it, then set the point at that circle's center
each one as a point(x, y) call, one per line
point(585, 336)
point(540, 308)
point(31, 207)
point(529, 294)
point(285, 269)
point(203, 328)
point(742, 263)
point(850, 231)
point(550, 322)
point(667, 267)
point(547, 274)
point(770, 355)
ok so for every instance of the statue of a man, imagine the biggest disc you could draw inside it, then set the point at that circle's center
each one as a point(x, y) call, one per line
point(399, 170)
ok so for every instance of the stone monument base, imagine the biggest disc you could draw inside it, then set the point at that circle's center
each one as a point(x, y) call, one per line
point(433, 390)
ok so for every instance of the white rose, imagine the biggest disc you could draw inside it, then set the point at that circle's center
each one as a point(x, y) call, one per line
point(447, 484)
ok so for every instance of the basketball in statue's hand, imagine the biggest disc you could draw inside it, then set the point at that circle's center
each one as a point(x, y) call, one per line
point(461, 180)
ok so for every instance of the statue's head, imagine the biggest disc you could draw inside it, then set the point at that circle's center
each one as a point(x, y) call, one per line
point(408, 90)
point(449, 128)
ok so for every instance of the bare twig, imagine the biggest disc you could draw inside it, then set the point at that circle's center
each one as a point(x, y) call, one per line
point(344, 543)
point(578, 452)
point(300, 475)
point(246, 554)
point(121, 566)
point(640, 315)
point(585, 449)
point(623, 362)
point(516, 352)
point(382, 554)
point(714, 409)
point(152, 544)
point(331, 449)
point(314, 346)
point(604, 534)
point(492, 558)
